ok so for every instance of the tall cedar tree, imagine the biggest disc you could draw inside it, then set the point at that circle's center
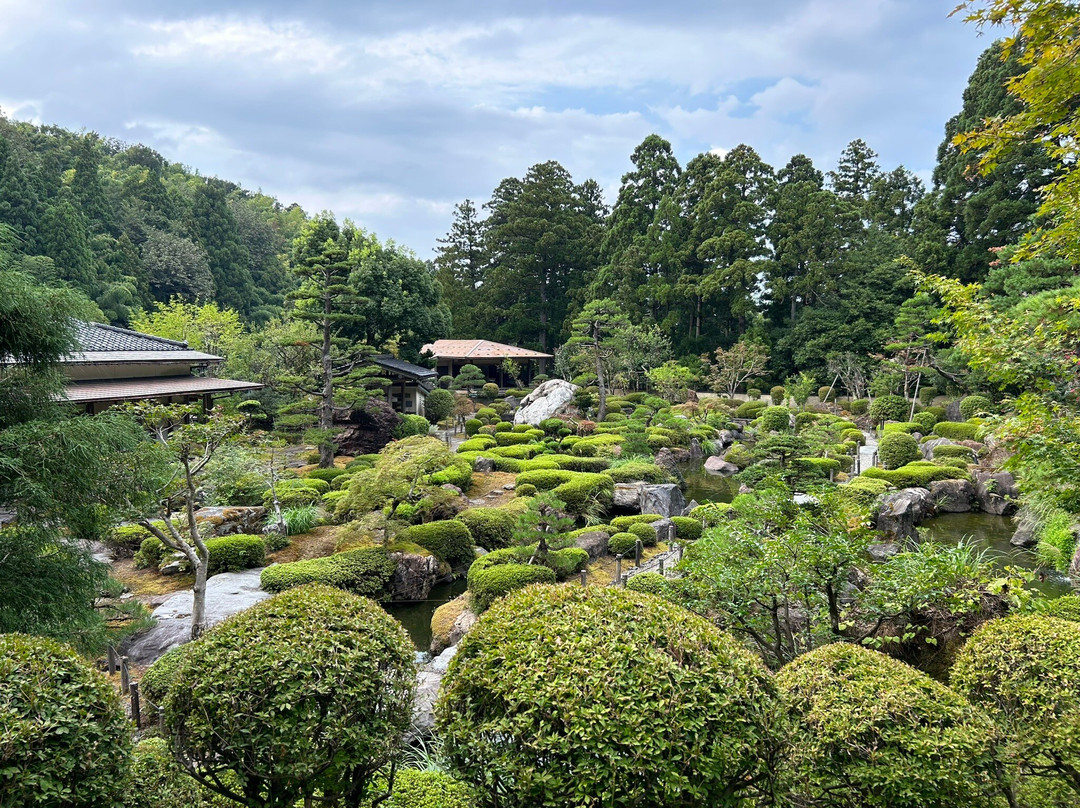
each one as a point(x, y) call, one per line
point(460, 268)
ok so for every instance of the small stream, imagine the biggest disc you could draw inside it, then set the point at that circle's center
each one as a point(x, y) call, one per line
point(416, 616)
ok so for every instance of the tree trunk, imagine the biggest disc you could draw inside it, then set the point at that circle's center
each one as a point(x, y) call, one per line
point(198, 605)
point(793, 309)
point(326, 406)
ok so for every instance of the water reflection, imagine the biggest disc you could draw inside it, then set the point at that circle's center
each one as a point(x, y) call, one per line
point(416, 617)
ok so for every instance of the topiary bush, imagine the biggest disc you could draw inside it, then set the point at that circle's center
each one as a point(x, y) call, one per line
point(869, 730)
point(480, 443)
point(645, 532)
point(491, 583)
point(324, 474)
point(956, 430)
point(411, 425)
point(687, 528)
point(64, 738)
point(622, 543)
point(535, 679)
point(583, 490)
point(952, 450)
point(472, 426)
point(826, 394)
point(651, 582)
point(490, 528)
point(750, 409)
point(566, 562)
point(429, 789)
point(778, 394)
point(438, 405)
point(310, 689)
point(363, 571)
point(489, 392)
point(863, 490)
point(925, 420)
point(859, 406)
point(637, 470)
point(623, 522)
point(775, 419)
point(448, 539)
point(889, 408)
point(526, 490)
point(908, 427)
point(1066, 607)
point(545, 479)
point(971, 406)
point(1024, 670)
point(151, 553)
point(231, 553)
point(916, 475)
point(897, 449)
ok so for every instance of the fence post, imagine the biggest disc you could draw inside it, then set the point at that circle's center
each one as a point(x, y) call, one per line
point(618, 569)
point(136, 714)
point(125, 676)
point(661, 566)
point(637, 553)
point(161, 718)
point(584, 577)
point(831, 476)
point(113, 663)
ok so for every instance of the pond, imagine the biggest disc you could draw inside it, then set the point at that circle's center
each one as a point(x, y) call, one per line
point(416, 616)
point(705, 487)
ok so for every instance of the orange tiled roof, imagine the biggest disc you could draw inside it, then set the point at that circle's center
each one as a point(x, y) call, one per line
point(479, 349)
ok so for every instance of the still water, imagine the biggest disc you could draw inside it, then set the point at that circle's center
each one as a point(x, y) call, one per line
point(416, 617)
point(705, 487)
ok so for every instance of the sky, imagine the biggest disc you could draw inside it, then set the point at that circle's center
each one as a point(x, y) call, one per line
point(390, 113)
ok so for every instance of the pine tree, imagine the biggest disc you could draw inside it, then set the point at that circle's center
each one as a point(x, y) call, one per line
point(460, 268)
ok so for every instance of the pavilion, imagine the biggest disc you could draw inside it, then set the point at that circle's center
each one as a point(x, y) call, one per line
point(451, 354)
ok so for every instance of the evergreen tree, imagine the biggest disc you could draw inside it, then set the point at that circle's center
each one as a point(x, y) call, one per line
point(176, 267)
point(228, 259)
point(63, 237)
point(460, 268)
point(20, 208)
point(855, 175)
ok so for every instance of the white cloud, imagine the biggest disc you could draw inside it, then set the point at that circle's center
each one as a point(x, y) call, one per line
point(24, 109)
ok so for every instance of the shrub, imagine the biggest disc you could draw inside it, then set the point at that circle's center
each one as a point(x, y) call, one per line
point(300, 519)
point(521, 452)
point(687, 528)
point(870, 730)
point(925, 420)
point(490, 528)
point(859, 406)
point(429, 789)
point(622, 544)
point(503, 426)
point(624, 522)
point(927, 395)
point(638, 470)
point(566, 562)
point(916, 475)
point(487, 414)
point(411, 425)
point(151, 552)
point(753, 393)
point(574, 463)
point(826, 394)
point(711, 513)
point(597, 444)
point(1024, 670)
point(749, 409)
point(363, 571)
point(324, 474)
point(489, 584)
point(956, 430)
point(446, 382)
point(645, 532)
point(535, 680)
point(953, 450)
point(971, 406)
point(332, 676)
point(545, 479)
point(775, 419)
point(584, 489)
point(294, 496)
point(855, 435)
point(512, 438)
point(489, 392)
point(863, 490)
point(478, 444)
point(778, 394)
point(458, 473)
point(889, 408)
point(438, 405)
point(526, 490)
point(897, 449)
point(651, 582)
point(160, 676)
point(64, 739)
point(1066, 607)
point(816, 466)
point(239, 552)
point(472, 426)
point(449, 539)
point(126, 540)
point(907, 427)
point(158, 780)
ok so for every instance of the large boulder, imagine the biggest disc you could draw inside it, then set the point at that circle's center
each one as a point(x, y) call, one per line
point(414, 576)
point(595, 543)
point(665, 459)
point(484, 465)
point(901, 511)
point(717, 465)
point(627, 495)
point(725, 437)
point(997, 492)
point(229, 520)
point(450, 622)
point(546, 401)
point(366, 429)
point(927, 447)
point(665, 530)
point(953, 496)
point(665, 499)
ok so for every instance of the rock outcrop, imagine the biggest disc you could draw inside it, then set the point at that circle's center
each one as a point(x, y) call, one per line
point(595, 543)
point(414, 576)
point(627, 495)
point(665, 499)
point(901, 511)
point(953, 496)
point(717, 465)
point(450, 623)
point(229, 520)
point(997, 492)
point(546, 401)
point(428, 681)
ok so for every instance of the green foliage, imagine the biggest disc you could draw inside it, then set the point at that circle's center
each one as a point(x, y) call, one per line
point(478, 444)
point(897, 449)
point(817, 467)
point(889, 408)
point(750, 409)
point(907, 427)
point(863, 490)
point(951, 450)
point(300, 519)
point(710, 513)
point(859, 406)
point(585, 491)
point(645, 532)
point(332, 674)
point(449, 540)
point(238, 552)
point(150, 553)
point(65, 736)
point(1056, 536)
point(651, 582)
point(710, 704)
point(158, 781)
point(971, 406)
point(775, 419)
point(488, 585)
point(687, 528)
point(956, 430)
point(411, 425)
point(525, 490)
point(597, 445)
point(635, 470)
point(930, 747)
point(327, 475)
point(458, 473)
point(438, 405)
point(623, 543)
point(624, 522)
point(163, 673)
point(429, 789)
point(1025, 672)
point(364, 571)
point(472, 426)
point(916, 475)
point(778, 394)
point(1066, 607)
point(491, 528)
point(925, 420)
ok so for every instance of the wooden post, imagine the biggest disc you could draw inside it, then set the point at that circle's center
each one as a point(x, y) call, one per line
point(136, 714)
point(125, 676)
point(637, 553)
point(661, 566)
point(584, 577)
point(113, 661)
point(618, 568)
point(161, 718)
point(831, 476)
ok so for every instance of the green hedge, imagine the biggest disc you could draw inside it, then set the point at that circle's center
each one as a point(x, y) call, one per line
point(750, 409)
point(512, 438)
point(491, 528)
point(151, 552)
point(478, 444)
point(897, 449)
point(597, 444)
point(488, 585)
point(916, 475)
point(364, 571)
point(622, 544)
point(449, 539)
point(545, 479)
point(160, 676)
point(232, 553)
point(637, 470)
point(817, 466)
point(645, 532)
point(651, 582)
point(926, 421)
point(907, 427)
point(775, 419)
point(324, 474)
point(972, 406)
point(575, 463)
point(472, 426)
point(414, 788)
point(583, 489)
point(522, 452)
point(622, 523)
point(952, 450)
point(956, 430)
point(459, 474)
point(567, 561)
point(863, 490)
point(889, 408)
point(687, 528)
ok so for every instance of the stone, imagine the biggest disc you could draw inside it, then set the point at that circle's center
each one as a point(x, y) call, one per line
point(883, 551)
point(453, 489)
point(595, 543)
point(725, 437)
point(546, 401)
point(227, 593)
point(997, 492)
point(1024, 535)
point(665, 499)
point(953, 496)
point(927, 448)
point(901, 511)
point(665, 530)
point(717, 465)
point(414, 576)
point(665, 459)
point(172, 568)
point(483, 464)
point(428, 681)
point(366, 429)
point(509, 487)
point(627, 495)
point(690, 507)
point(695, 449)
point(229, 520)
point(450, 622)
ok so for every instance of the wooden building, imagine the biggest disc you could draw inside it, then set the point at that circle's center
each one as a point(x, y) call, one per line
point(451, 354)
point(409, 384)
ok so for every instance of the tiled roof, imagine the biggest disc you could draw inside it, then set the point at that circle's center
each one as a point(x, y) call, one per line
point(101, 337)
point(404, 368)
point(154, 387)
point(479, 349)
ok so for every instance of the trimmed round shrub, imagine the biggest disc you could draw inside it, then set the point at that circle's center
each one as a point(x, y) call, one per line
point(472, 426)
point(856, 435)
point(826, 394)
point(775, 419)
point(239, 552)
point(1024, 670)
point(526, 490)
point(597, 444)
point(446, 382)
point(448, 539)
point(127, 540)
point(411, 425)
point(859, 406)
point(687, 528)
point(753, 393)
point(711, 513)
point(438, 405)
point(480, 443)
point(309, 689)
point(644, 532)
point(324, 474)
point(869, 730)
point(458, 473)
point(897, 449)
point(64, 739)
point(488, 415)
point(908, 427)
point(504, 426)
point(623, 543)
point(971, 406)
point(817, 466)
point(916, 475)
point(151, 552)
point(927, 395)
point(778, 394)
point(889, 408)
point(162, 673)
point(566, 562)
point(512, 438)
point(158, 781)
point(490, 528)
point(429, 789)
point(750, 409)
point(545, 479)
point(622, 523)
point(863, 490)
point(584, 489)
point(637, 470)
point(363, 571)
point(925, 420)
point(965, 453)
point(956, 430)
point(536, 679)
point(489, 392)
point(652, 582)
point(489, 584)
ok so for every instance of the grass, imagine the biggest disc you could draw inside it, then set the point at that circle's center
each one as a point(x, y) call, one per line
point(147, 583)
point(322, 541)
point(483, 483)
point(602, 571)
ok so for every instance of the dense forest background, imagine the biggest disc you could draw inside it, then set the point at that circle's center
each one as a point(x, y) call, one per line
point(805, 262)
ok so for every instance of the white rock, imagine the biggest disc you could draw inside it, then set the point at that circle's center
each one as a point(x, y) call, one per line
point(545, 401)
